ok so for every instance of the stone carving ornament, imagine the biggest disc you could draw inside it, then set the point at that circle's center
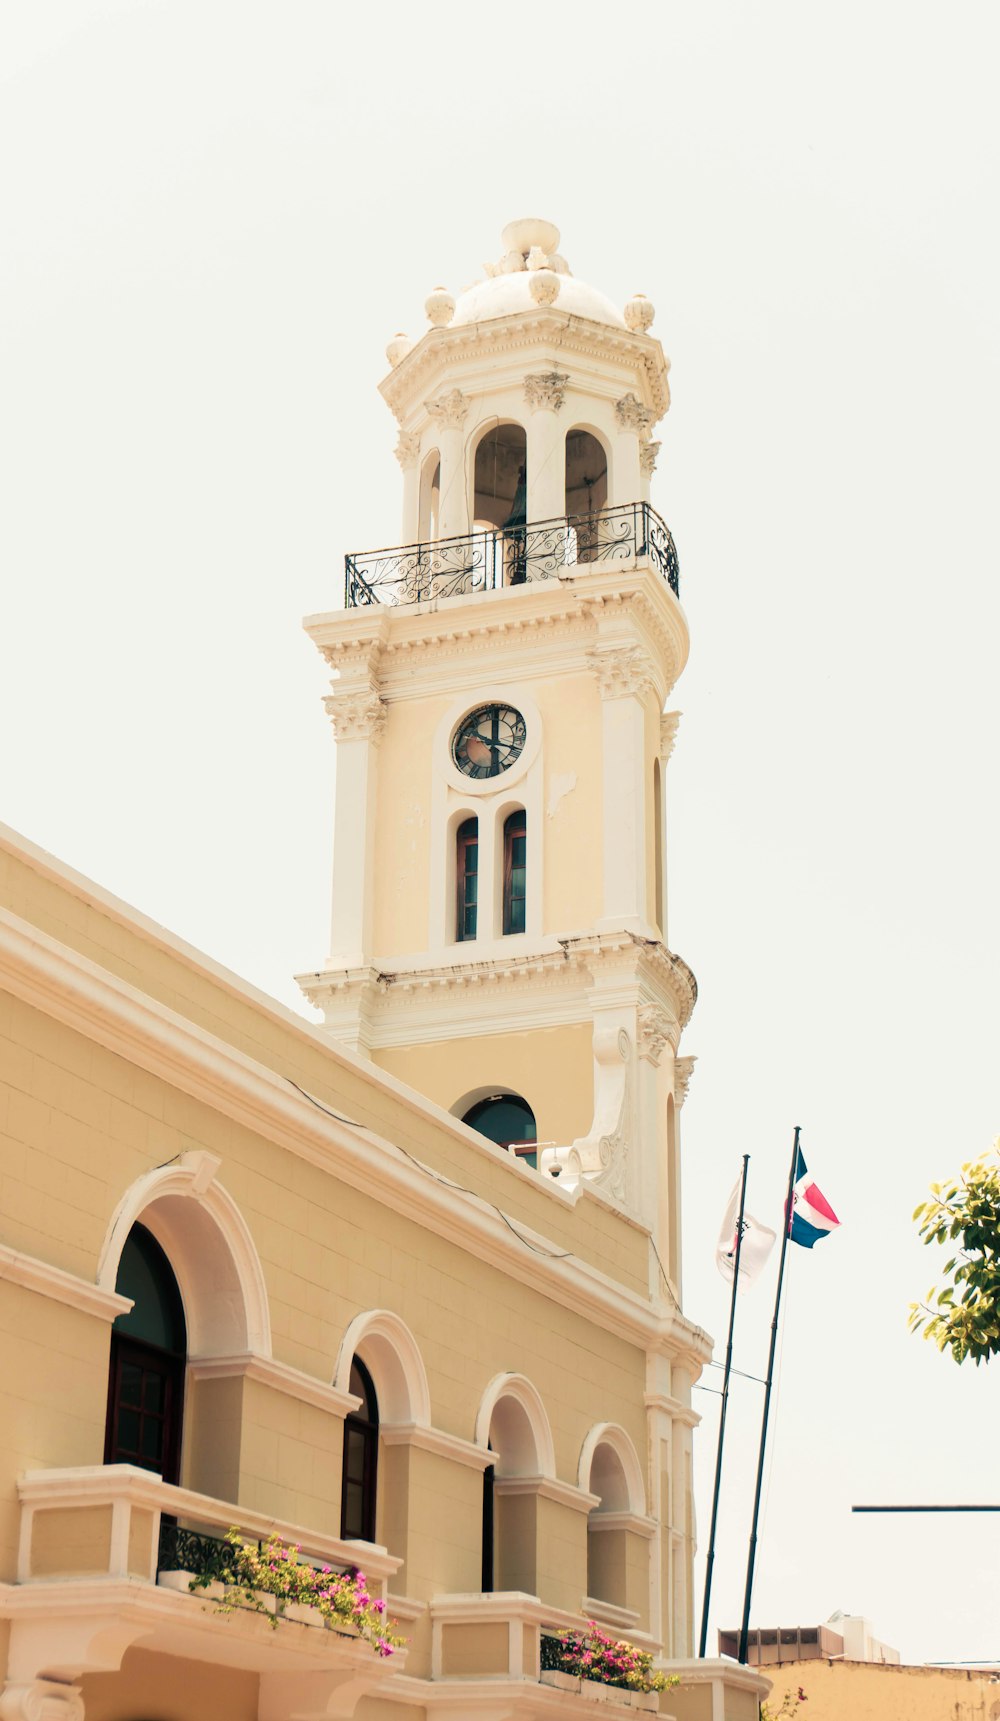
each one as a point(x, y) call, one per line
point(632, 415)
point(647, 457)
point(669, 724)
point(654, 1031)
point(357, 713)
point(449, 410)
point(546, 389)
point(41, 1700)
point(408, 448)
point(622, 671)
point(683, 1071)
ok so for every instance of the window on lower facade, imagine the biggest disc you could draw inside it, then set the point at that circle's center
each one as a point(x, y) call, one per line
point(148, 1356)
point(467, 879)
point(360, 1473)
point(515, 872)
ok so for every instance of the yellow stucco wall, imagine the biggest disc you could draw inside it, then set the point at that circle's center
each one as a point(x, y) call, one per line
point(863, 1691)
point(552, 1068)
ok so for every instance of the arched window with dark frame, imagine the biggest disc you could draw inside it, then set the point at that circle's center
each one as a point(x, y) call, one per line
point(360, 1473)
point(488, 1584)
point(515, 872)
point(467, 879)
point(148, 1358)
point(508, 1120)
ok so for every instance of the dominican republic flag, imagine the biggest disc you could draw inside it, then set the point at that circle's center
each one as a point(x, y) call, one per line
point(757, 1243)
point(812, 1217)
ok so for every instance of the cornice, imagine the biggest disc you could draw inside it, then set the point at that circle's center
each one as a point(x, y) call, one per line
point(62, 1287)
point(436, 1441)
point(97, 1004)
point(634, 1522)
point(280, 1376)
point(448, 349)
point(548, 1488)
point(673, 1407)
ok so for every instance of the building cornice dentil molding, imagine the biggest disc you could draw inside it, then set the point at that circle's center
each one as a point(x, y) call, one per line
point(357, 713)
point(683, 1071)
point(449, 411)
point(647, 457)
point(441, 349)
point(632, 415)
point(546, 389)
point(669, 724)
point(655, 1030)
point(407, 449)
point(623, 671)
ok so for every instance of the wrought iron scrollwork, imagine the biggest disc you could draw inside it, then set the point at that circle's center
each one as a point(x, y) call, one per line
point(485, 561)
point(552, 1653)
point(183, 1550)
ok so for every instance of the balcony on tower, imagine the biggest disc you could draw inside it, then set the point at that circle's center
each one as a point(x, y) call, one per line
point(526, 413)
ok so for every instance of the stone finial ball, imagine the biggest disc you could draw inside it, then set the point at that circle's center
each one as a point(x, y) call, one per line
point(440, 307)
point(639, 314)
point(398, 348)
point(543, 285)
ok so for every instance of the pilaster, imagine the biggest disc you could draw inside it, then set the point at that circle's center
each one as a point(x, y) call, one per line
point(544, 394)
point(448, 414)
point(407, 452)
point(626, 678)
point(358, 714)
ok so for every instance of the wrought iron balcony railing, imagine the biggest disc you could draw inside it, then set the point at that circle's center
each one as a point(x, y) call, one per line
point(515, 556)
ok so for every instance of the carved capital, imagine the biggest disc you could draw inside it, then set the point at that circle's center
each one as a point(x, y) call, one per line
point(623, 671)
point(655, 1032)
point(546, 389)
point(632, 415)
point(357, 713)
point(647, 457)
point(449, 409)
point(669, 723)
point(683, 1070)
point(408, 448)
point(41, 1700)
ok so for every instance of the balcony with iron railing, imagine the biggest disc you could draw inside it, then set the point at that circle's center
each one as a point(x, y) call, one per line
point(498, 557)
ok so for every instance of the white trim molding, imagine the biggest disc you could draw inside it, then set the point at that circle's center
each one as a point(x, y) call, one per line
point(62, 1287)
point(437, 1441)
point(267, 1371)
point(392, 1355)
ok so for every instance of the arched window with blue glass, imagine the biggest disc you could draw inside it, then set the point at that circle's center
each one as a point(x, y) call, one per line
point(148, 1358)
point(508, 1120)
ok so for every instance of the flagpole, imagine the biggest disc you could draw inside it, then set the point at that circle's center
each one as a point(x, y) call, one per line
point(722, 1418)
point(752, 1553)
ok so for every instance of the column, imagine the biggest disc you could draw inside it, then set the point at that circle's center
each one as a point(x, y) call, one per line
point(647, 466)
point(668, 735)
point(634, 421)
point(544, 394)
point(408, 454)
point(448, 413)
point(358, 714)
point(626, 679)
point(656, 1031)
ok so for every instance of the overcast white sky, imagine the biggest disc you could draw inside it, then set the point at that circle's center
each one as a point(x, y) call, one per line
point(213, 216)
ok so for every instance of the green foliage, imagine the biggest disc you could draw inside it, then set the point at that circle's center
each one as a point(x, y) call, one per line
point(963, 1316)
point(341, 1599)
point(592, 1654)
point(789, 1704)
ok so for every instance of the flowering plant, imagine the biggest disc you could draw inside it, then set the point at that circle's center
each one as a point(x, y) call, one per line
point(592, 1654)
point(250, 1571)
point(789, 1704)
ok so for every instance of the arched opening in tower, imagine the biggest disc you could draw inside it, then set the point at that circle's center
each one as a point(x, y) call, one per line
point(500, 501)
point(586, 490)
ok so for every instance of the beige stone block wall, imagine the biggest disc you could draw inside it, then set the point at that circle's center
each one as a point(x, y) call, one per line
point(291, 1459)
point(140, 1543)
point(562, 1554)
point(444, 1525)
point(168, 1686)
point(516, 1543)
point(472, 1649)
point(53, 1396)
point(211, 1437)
point(70, 1539)
point(552, 1068)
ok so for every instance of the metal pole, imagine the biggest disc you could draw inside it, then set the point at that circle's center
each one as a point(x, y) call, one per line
point(752, 1554)
point(722, 1418)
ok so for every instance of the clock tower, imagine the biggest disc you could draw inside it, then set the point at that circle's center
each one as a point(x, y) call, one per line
point(499, 931)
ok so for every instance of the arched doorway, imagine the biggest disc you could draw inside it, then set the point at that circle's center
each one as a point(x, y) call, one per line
point(586, 491)
point(359, 1489)
point(500, 501)
point(148, 1358)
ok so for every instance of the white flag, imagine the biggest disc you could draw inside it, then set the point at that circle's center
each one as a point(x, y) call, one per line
point(757, 1243)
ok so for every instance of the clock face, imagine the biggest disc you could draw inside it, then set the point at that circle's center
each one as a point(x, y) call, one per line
point(488, 741)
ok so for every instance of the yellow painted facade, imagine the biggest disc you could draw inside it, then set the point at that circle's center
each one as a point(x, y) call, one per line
point(869, 1691)
point(237, 1250)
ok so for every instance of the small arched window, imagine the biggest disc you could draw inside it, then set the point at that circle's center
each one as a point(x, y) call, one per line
point(467, 879)
point(515, 872)
point(148, 1356)
point(508, 1120)
point(360, 1474)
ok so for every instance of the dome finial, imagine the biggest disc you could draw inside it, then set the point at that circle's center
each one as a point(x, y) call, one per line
point(524, 235)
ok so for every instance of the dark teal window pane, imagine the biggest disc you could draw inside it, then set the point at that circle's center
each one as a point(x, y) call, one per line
point(145, 1275)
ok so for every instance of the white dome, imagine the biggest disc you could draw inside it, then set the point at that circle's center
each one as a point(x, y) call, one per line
point(504, 295)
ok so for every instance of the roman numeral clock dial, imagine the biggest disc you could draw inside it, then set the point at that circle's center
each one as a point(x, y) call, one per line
point(488, 741)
